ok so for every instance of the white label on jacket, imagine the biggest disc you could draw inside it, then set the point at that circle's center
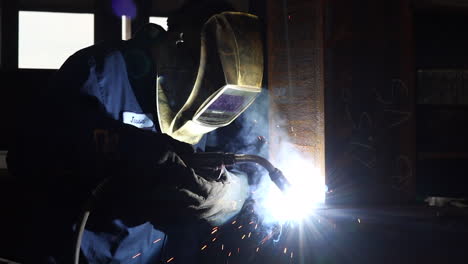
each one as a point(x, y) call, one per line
point(138, 120)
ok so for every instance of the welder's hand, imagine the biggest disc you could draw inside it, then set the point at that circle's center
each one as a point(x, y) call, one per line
point(220, 199)
point(194, 196)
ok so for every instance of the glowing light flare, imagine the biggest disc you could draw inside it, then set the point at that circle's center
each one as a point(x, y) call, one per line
point(203, 248)
point(307, 193)
point(137, 255)
point(169, 260)
point(156, 241)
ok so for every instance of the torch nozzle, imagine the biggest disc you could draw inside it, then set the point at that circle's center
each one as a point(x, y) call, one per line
point(275, 174)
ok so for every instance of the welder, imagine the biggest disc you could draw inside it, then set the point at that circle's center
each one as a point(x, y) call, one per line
point(120, 121)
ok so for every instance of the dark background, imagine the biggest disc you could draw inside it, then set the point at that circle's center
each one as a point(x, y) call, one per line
point(393, 75)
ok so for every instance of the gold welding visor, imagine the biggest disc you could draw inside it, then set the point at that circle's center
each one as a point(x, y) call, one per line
point(228, 79)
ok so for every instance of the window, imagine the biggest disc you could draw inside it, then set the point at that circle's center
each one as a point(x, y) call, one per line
point(127, 25)
point(162, 21)
point(47, 39)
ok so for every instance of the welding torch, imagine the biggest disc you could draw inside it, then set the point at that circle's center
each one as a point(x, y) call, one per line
point(217, 160)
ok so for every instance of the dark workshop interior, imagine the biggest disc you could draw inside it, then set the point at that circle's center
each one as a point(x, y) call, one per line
point(374, 93)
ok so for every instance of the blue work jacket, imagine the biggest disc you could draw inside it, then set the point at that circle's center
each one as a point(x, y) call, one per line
point(103, 88)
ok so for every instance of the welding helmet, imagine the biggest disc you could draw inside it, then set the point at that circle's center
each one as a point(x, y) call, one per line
point(196, 97)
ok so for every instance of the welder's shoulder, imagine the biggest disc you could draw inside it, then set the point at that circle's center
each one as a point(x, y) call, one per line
point(82, 63)
point(95, 55)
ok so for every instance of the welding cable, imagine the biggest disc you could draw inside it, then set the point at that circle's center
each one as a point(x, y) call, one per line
point(95, 194)
point(85, 215)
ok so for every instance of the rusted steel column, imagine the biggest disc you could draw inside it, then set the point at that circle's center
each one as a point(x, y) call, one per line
point(296, 77)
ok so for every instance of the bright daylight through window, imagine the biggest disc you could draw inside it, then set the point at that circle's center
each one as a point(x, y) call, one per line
point(162, 21)
point(47, 39)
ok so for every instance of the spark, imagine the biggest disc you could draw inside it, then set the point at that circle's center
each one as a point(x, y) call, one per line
point(229, 254)
point(266, 238)
point(256, 226)
point(137, 255)
point(214, 231)
point(359, 220)
point(257, 249)
point(233, 222)
point(251, 222)
point(291, 254)
point(169, 260)
point(249, 234)
point(243, 236)
point(238, 250)
point(222, 246)
point(156, 241)
point(285, 250)
point(203, 248)
point(239, 227)
point(214, 239)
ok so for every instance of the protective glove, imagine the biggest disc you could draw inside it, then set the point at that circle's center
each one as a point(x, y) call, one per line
point(193, 197)
point(173, 194)
point(220, 199)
